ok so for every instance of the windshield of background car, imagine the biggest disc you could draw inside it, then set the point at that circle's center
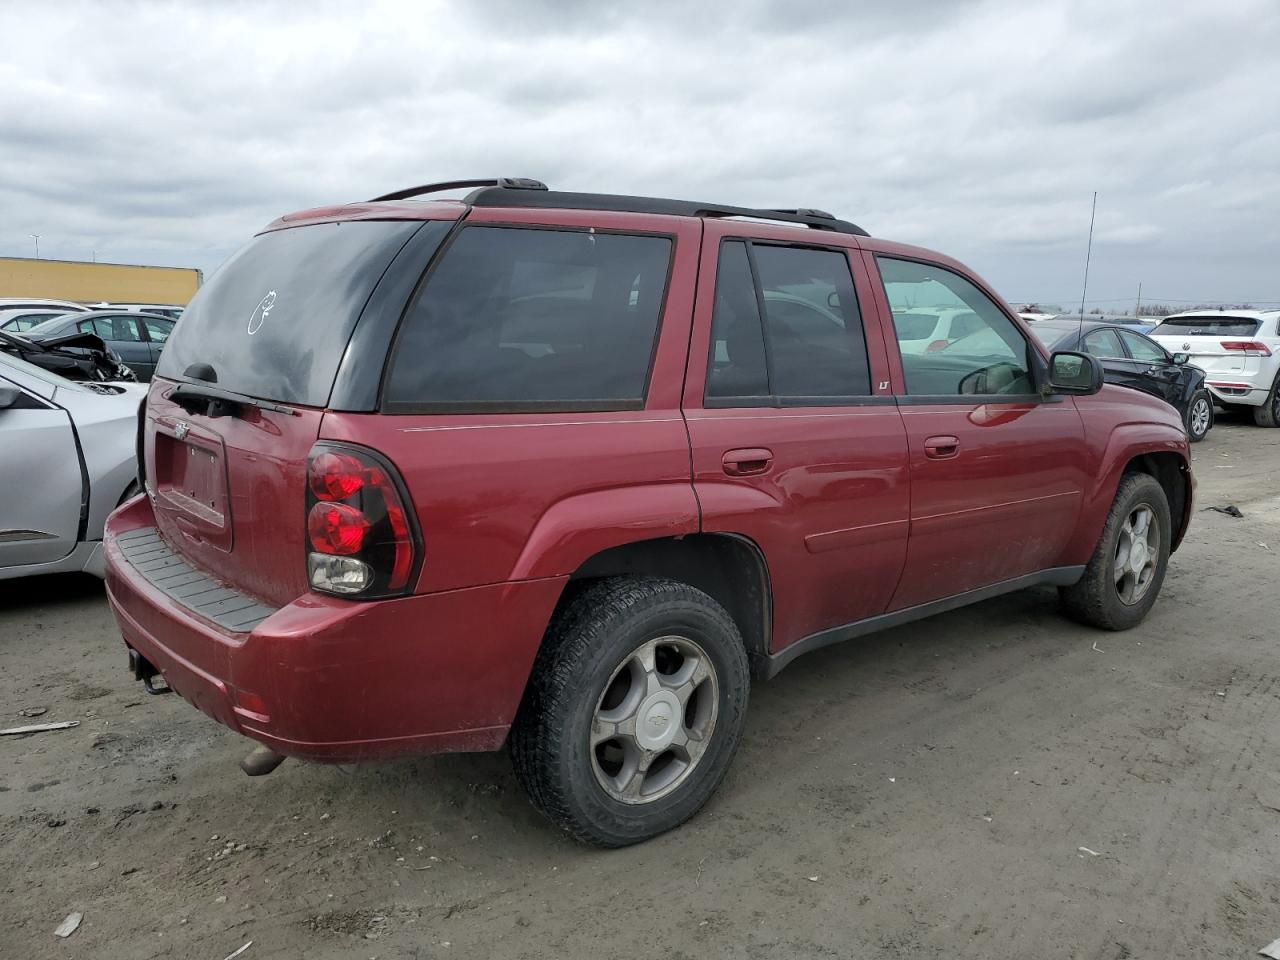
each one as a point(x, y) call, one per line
point(1207, 327)
point(275, 319)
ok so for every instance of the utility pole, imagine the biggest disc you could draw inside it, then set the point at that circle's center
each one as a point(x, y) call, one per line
point(1137, 311)
point(36, 238)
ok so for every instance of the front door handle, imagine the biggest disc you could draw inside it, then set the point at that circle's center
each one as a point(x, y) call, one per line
point(747, 462)
point(941, 448)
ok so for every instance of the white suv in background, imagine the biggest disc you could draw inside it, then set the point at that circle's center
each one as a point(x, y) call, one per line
point(1239, 350)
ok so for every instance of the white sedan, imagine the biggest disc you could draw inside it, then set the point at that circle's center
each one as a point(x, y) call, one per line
point(69, 460)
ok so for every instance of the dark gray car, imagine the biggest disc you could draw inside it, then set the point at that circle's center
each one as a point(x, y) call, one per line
point(136, 337)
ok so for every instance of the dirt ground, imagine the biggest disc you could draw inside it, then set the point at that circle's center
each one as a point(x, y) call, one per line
point(993, 783)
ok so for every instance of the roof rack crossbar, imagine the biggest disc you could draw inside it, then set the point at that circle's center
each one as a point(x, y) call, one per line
point(504, 183)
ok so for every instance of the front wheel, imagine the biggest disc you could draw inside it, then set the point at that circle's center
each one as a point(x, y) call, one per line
point(1123, 577)
point(1199, 416)
point(634, 710)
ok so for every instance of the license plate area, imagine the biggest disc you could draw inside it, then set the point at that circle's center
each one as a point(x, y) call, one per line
point(191, 481)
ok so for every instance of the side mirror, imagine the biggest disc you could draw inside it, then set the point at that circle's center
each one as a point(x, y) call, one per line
point(1077, 373)
point(9, 397)
point(1181, 358)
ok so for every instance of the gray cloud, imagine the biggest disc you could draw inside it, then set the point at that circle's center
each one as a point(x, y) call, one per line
point(169, 134)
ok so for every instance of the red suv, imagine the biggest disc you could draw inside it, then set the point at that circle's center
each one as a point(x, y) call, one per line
point(565, 470)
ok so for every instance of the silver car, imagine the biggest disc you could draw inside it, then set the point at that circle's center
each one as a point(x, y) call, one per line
point(68, 460)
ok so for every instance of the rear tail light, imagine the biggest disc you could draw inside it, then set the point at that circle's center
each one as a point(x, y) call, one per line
point(1250, 348)
point(937, 345)
point(362, 542)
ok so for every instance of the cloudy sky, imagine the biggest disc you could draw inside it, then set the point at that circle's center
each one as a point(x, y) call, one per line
point(169, 133)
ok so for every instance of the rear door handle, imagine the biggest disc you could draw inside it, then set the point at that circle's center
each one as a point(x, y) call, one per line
point(747, 462)
point(941, 448)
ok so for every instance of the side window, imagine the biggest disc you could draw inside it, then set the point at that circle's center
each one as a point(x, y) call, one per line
point(99, 325)
point(737, 367)
point(124, 329)
point(810, 347)
point(813, 329)
point(516, 318)
point(1143, 349)
point(990, 358)
point(157, 330)
point(1104, 343)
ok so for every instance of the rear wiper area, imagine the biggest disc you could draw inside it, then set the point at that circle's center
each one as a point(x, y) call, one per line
point(216, 402)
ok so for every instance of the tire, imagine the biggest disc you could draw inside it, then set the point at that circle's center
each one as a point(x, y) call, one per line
point(1097, 598)
point(1268, 415)
point(1199, 416)
point(592, 667)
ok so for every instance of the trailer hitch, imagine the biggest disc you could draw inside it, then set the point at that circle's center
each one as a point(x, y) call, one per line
point(144, 670)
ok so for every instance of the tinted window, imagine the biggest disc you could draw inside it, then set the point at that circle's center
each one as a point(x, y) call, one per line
point(737, 365)
point(275, 319)
point(1103, 343)
point(990, 358)
point(517, 317)
point(158, 330)
point(811, 344)
point(813, 329)
point(1207, 326)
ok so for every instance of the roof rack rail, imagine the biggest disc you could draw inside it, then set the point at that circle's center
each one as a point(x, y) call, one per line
point(503, 183)
point(491, 194)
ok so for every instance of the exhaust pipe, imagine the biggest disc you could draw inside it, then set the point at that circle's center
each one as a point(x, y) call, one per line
point(261, 762)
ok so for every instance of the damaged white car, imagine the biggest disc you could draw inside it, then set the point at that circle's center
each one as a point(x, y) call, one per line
point(67, 459)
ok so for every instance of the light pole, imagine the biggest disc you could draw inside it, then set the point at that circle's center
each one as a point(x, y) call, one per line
point(36, 238)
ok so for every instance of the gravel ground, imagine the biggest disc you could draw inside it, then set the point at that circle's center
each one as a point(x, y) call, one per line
point(994, 782)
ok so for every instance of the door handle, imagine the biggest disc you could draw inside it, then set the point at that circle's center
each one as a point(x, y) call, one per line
point(941, 448)
point(747, 462)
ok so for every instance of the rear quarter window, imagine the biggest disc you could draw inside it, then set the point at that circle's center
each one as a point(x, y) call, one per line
point(518, 318)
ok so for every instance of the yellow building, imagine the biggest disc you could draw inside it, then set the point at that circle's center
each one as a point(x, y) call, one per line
point(96, 282)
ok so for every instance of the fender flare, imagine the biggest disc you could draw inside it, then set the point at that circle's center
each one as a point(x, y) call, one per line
point(1126, 442)
point(576, 528)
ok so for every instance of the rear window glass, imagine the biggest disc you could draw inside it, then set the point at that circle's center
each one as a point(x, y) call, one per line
point(517, 318)
point(275, 319)
point(914, 326)
point(1207, 326)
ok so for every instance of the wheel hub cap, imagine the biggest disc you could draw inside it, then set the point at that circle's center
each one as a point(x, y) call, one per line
point(657, 723)
point(654, 720)
point(1137, 555)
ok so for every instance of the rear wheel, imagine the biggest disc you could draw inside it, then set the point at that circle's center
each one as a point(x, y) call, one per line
point(634, 710)
point(1268, 415)
point(1199, 416)
point(1123, 577)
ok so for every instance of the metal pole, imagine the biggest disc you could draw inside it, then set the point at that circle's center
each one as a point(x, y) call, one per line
point(1137, 311)
point(1088, 254)
point(36, 238)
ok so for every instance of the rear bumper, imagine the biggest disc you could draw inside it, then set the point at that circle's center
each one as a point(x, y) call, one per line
point(330, 679)
point(1242, 390)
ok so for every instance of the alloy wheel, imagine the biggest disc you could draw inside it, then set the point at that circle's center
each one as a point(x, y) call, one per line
point(1137, 554)
point(654, 720)
point(1200, 414)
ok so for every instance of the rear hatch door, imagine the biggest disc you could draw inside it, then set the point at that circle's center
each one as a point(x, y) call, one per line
point(270, 327)
point(1203, 339)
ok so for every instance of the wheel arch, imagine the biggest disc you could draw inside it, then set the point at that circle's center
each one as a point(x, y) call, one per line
point(728, 567)
point(1173, 473)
